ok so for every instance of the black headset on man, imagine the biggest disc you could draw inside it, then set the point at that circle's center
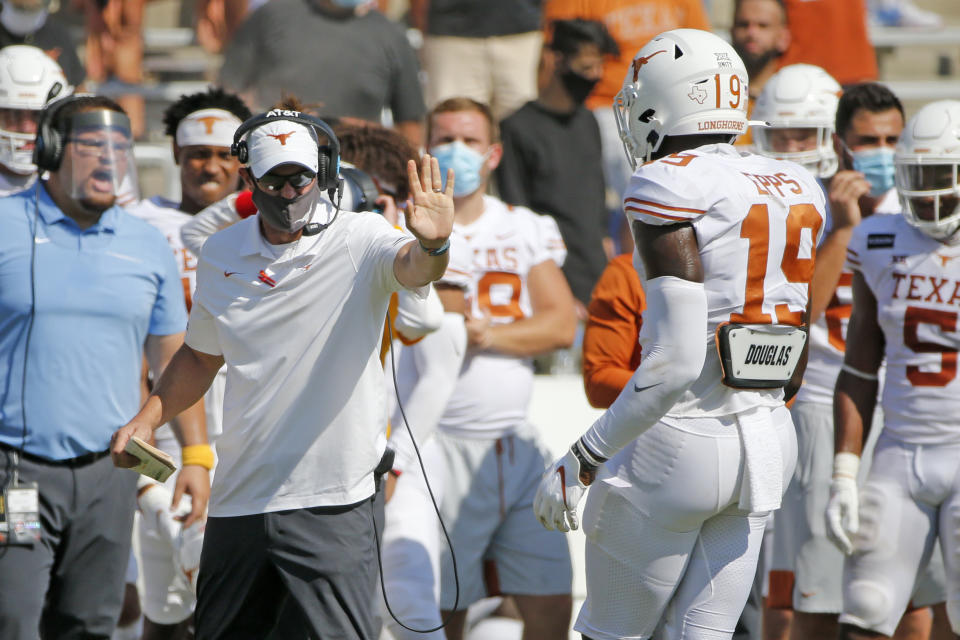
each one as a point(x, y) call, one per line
point(328, 160)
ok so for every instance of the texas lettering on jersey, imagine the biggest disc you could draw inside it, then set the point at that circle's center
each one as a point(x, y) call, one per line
point(916, 283)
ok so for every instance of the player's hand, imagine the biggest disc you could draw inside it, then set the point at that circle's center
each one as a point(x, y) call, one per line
point(478, 329)
point(193, 481)
point(429, 213)
point(119, 439)
point(560, 490)
point(846, 189)
point(843, 519)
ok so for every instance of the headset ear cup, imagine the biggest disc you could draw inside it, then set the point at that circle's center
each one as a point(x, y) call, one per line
point(323, 171)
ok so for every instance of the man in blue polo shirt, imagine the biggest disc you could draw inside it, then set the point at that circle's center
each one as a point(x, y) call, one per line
point(85, 291)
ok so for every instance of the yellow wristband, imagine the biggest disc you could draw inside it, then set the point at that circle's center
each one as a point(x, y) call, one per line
point(198, 454)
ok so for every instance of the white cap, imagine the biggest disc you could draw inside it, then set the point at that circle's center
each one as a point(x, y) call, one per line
point(211, 127)
point(281, 142)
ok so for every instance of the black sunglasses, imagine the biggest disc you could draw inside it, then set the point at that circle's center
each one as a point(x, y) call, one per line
point(274, 182)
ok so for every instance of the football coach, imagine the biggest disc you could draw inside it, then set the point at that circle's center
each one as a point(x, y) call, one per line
point(292, 300)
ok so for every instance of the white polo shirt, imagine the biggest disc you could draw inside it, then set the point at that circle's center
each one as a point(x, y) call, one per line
point(299, 327)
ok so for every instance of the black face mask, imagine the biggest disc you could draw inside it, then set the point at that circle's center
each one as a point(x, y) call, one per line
point(578, 86)
point(285, 214)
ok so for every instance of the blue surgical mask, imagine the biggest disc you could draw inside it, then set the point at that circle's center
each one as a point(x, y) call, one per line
point(466, 164)
point(877, 167)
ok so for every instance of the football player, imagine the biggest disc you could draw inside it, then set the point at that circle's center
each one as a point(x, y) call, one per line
point(29, 81)
point(202, 126)
point(906, 283)
point(800, 103)
point(691, 457)
point(520, 306)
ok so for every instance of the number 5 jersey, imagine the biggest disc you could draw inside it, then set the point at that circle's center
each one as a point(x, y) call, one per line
point(916, 282)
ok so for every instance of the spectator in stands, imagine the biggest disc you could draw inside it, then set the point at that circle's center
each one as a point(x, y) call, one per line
point(30, 22)
point(831, 34)
point(632, 23)
point(902, 13)
point(552, 156)
point(482, 50)
point(350, 60)
point(115, 50)
point(87, 289)
point(218, 20)
point(761, 36)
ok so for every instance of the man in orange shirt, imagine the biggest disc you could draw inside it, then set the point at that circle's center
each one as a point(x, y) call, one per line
point(831, 34)
point(760, 35)
point(632, 23)
point(611, 349)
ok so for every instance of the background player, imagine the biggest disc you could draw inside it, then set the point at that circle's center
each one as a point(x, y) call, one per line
point(905, 287)
point(520, 306)
point(674, 520)
point(29, 81)
point(201, 126)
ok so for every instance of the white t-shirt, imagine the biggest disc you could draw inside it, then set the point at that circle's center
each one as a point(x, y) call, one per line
point(916, 282)
point(304, 414)
point(493, 389)
point(15, 183)
point(166, 216)
point(757, 221)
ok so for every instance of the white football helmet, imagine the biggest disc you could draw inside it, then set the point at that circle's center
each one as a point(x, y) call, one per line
point(683, 82)
point(926, 159)
point(29, 80)
point(799, 96)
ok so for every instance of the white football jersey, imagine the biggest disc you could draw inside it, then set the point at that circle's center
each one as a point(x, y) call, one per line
point(166, 216)
point(757, 222)
point(493, 390)
point(828, 335)
point(916, 282)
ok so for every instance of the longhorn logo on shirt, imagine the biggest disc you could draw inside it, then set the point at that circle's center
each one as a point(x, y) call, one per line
point(208, 122)
point(642, 60)
point(282, 137)
point(946, 259)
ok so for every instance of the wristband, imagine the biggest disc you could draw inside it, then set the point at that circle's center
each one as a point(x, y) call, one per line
point(198, 454)
point(439, 251)
point(846, 465)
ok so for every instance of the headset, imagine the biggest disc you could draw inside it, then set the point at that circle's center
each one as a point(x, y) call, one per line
point(48, 148)
point(328, 162)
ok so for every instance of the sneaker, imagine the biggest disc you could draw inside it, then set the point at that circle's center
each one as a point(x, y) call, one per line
point(903, 13)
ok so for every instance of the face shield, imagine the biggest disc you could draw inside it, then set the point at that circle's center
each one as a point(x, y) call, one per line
point(930, 197)
point(98, 164)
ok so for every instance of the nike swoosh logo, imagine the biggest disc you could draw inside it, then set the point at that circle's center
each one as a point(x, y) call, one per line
point(808, 594)
point(227, 274)
point(649, 386)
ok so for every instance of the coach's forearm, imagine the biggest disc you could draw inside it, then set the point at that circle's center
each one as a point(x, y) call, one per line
point(181, 386)
point(414, 267)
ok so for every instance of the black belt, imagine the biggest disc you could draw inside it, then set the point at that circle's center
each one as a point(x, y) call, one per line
point(79, 461)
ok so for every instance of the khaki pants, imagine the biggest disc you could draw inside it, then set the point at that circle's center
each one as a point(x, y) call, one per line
point(498, 71)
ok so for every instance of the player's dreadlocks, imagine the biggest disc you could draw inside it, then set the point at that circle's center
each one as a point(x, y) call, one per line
point(212, 98)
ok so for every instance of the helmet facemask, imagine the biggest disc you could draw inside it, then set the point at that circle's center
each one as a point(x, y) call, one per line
point(930, 197)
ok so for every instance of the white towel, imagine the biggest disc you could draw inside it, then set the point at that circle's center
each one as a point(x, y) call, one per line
point(762, 484)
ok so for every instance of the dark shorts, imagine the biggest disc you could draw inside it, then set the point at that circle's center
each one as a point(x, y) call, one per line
point(289, 574)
